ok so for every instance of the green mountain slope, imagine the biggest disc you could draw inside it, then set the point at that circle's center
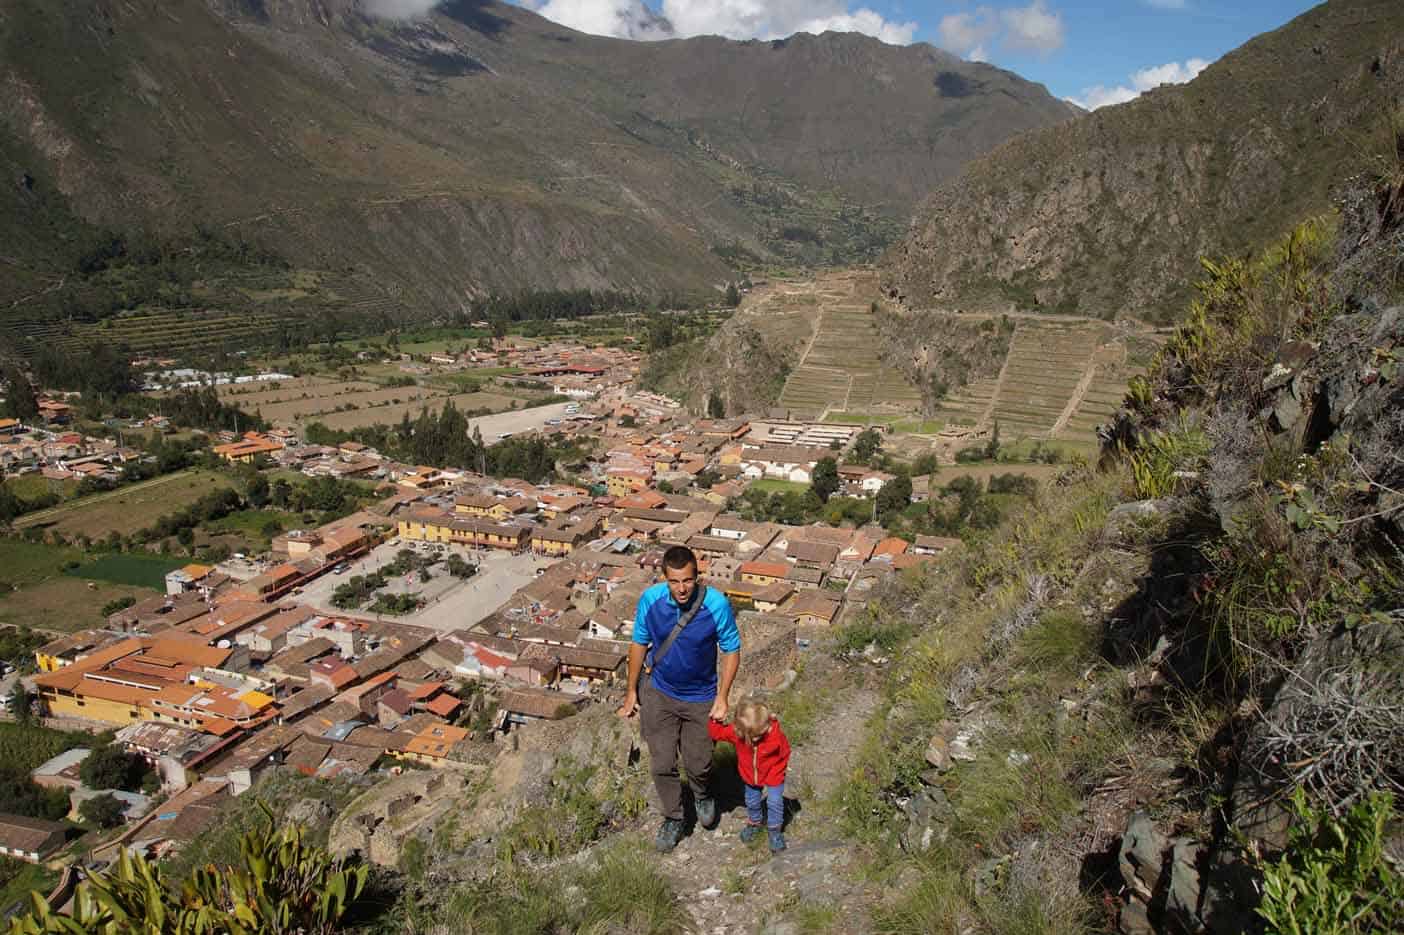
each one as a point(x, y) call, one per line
point(480, 149)
point(1107, 214)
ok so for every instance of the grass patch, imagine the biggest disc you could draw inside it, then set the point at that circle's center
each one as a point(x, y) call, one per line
point(773, 485)
point(23, 563)
point(620, 890)
point(858, 418)
point(142, 571)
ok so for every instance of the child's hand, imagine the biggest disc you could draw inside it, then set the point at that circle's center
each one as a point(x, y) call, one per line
point(719, 709)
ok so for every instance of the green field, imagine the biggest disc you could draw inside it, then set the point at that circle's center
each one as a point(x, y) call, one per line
point(26, 563)
point(34, 486)
point(772, 485)
point(141, 571)
point(26, 746)
point(37, 591)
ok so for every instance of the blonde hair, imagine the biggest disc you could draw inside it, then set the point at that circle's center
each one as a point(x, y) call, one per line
point(752, 720)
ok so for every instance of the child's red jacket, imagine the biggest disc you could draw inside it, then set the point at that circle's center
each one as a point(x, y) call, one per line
point(764, 763)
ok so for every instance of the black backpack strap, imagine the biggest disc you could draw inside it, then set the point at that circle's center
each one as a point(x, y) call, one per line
point(683, 620)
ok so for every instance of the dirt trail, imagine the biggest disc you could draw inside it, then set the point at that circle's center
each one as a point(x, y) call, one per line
point(729, 887)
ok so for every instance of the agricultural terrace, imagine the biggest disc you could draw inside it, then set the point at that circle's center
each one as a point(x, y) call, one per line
point(1061, 379)
point(840, 369)
point(126, 509)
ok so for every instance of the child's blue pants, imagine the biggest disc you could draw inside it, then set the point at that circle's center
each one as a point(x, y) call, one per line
point(774, 798)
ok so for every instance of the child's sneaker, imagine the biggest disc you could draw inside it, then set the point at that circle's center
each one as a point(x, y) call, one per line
point(749, 833)
point(777, 840)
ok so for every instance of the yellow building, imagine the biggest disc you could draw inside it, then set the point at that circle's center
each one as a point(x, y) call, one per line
point(121, 683)
point(445, 527)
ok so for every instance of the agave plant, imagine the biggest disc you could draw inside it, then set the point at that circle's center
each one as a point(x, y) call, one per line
point(283, 886)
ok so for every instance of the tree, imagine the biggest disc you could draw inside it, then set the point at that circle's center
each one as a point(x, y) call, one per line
point(666, 486)
point(111, 767)
point(498, 323)
point(21, 401)
point(825, 479)
point(866, 445)
point(258, 491)
point(992, 449)
point(19, 703)
point(895, 496)
point(733, 295)
point(105, 811)
point(716, 408)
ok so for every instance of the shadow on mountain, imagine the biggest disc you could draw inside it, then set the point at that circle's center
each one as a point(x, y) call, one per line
point(476, 15)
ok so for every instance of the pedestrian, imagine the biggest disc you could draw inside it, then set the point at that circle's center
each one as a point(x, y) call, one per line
point(762, 757)
point(677, 683)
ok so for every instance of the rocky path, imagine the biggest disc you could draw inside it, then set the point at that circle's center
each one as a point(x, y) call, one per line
point(730, 887)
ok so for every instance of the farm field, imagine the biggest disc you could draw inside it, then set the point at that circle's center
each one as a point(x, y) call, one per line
point(36, 592)
point(392, 413)
point(126, 509)
point(64, 604)
point(135, 570)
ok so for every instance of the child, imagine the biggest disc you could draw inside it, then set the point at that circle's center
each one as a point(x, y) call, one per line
point(762, 755)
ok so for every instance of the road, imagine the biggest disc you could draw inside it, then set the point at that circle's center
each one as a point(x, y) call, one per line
point(516, 421)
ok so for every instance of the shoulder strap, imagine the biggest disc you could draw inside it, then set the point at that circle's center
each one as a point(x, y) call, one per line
point(683, 620)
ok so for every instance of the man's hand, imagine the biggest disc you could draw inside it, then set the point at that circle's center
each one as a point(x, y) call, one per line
point(630, 706)
point(719, 709)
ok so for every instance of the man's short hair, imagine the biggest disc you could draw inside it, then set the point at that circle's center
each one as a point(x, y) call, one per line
point(678, 556)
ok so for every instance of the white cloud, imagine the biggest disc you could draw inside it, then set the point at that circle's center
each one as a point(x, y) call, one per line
point(734, 19)
point(1141, 81)
point(627, 19)
point(1032, 28)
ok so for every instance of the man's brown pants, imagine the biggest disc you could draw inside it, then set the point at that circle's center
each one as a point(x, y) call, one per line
point(670, 728)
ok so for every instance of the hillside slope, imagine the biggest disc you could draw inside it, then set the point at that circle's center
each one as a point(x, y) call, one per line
point(1107, 214)
point(481, 148)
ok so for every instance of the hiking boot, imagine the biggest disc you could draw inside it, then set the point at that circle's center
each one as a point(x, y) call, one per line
point(777, 840)
point(669, 835)
point(706, 811)
point(750, 833)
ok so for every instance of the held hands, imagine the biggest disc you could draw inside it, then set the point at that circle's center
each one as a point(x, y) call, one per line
point(719, 709)
point(630, 706)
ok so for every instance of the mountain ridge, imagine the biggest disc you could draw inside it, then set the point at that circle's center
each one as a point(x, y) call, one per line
point(1108, 214)
point(482, 148)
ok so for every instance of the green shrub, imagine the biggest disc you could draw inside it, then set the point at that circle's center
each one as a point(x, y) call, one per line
point(1334, 878)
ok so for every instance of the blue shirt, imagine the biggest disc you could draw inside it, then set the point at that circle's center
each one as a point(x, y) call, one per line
point(689, 671)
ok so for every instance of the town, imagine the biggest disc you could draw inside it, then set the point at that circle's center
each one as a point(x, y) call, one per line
point(447, 609)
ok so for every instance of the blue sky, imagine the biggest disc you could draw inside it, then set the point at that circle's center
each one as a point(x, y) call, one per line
point(1094, 53)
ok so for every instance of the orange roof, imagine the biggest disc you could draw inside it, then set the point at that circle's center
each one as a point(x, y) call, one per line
point(765, 569)
point(892, 545)
point(196, 572)
point(444, 705)
point(436, 740)
point(427, 690)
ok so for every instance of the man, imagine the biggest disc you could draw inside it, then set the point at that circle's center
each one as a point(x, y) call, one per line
point(682, 689)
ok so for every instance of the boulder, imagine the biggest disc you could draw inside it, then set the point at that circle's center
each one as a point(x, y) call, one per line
point(1141, 857)
point(938, 753)
point(928, 819)
point(1182, 894)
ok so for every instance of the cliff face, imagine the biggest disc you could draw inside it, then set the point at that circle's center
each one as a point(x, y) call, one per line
point(1108, 214)
point(479, 148)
